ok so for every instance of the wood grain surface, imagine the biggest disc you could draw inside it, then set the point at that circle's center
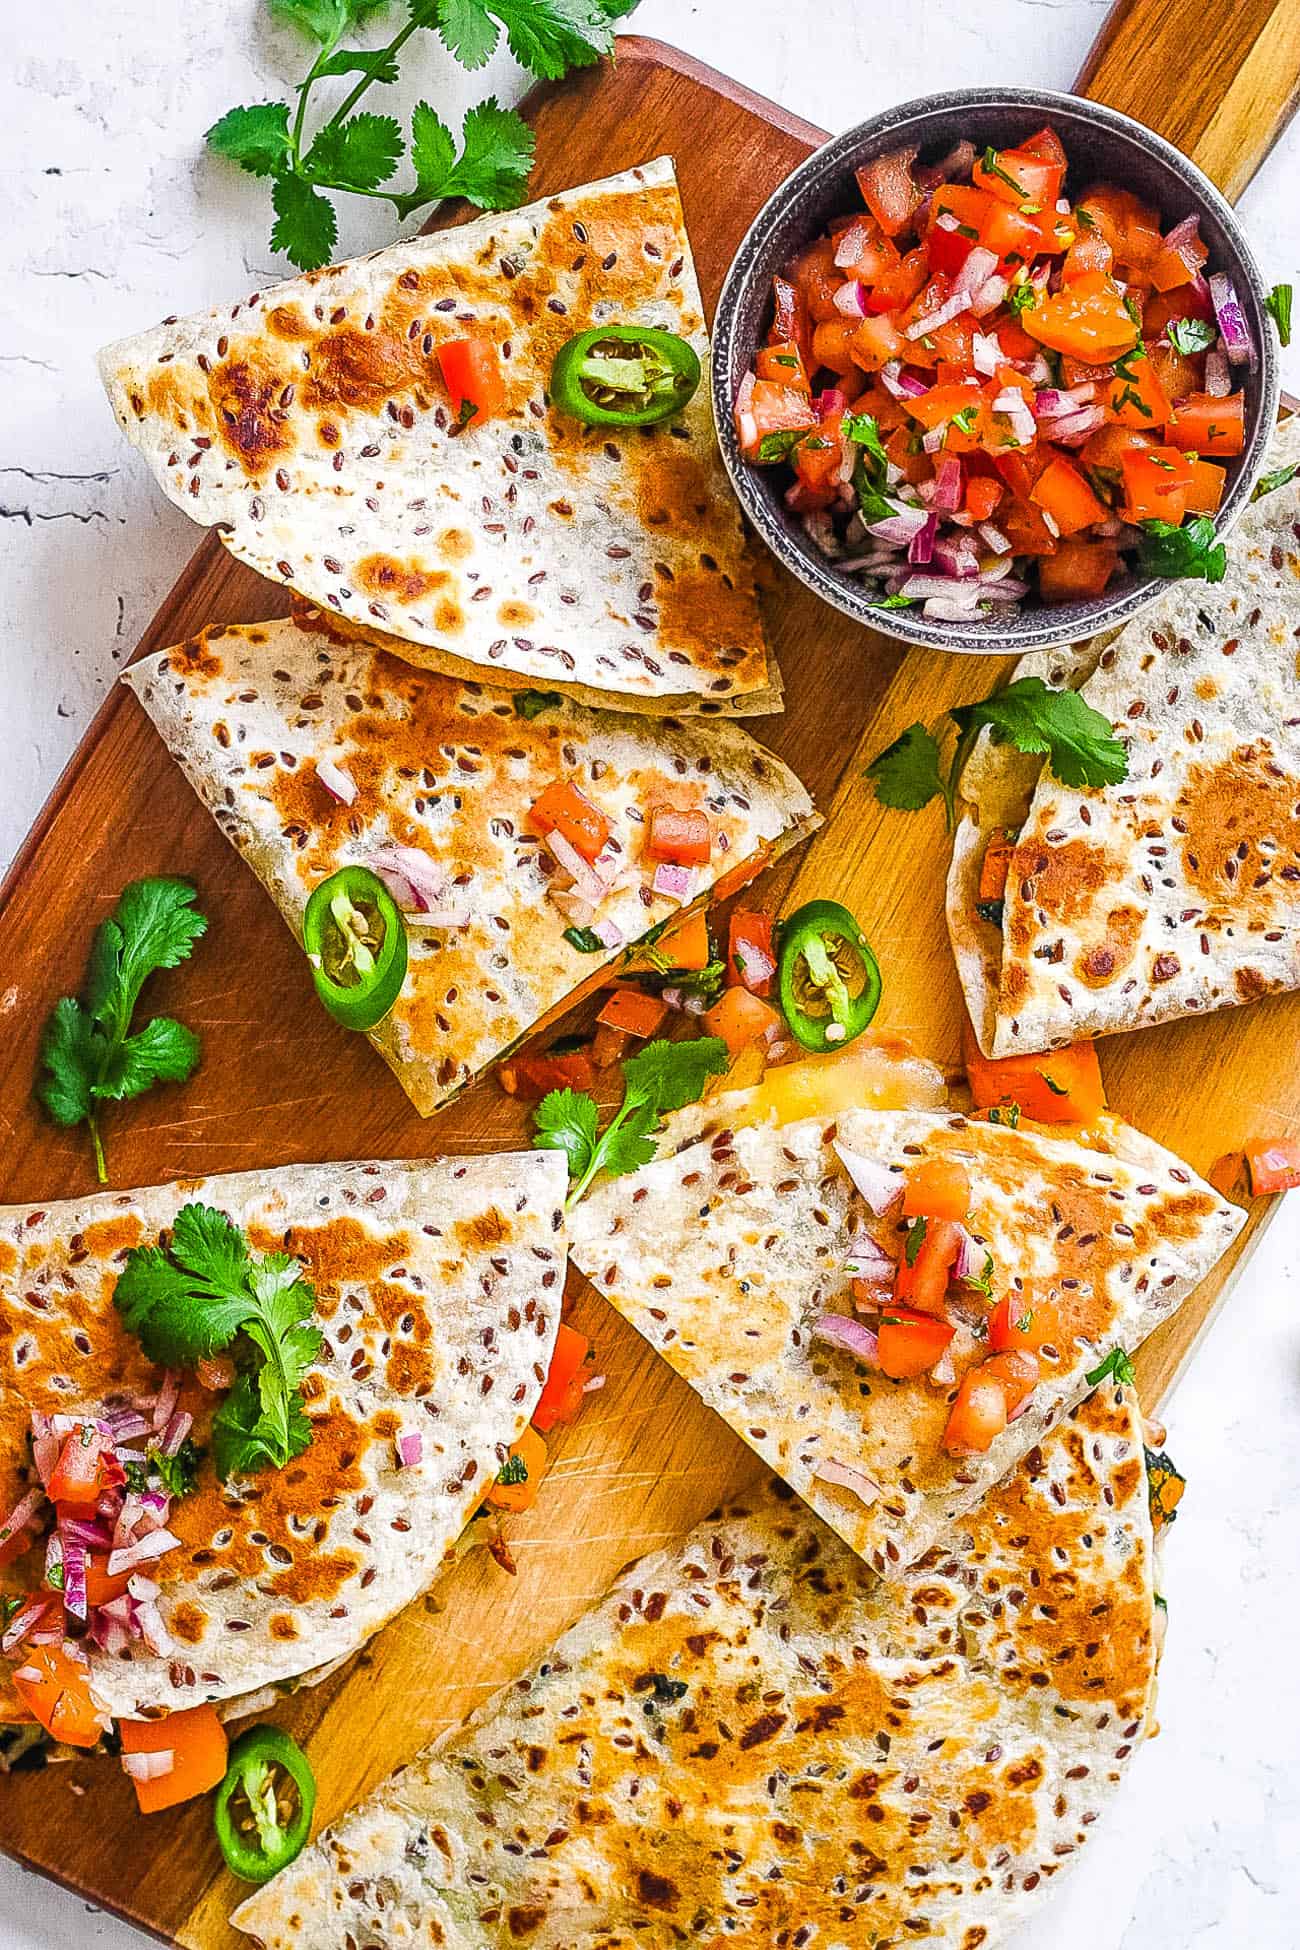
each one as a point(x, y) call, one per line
point(280, 1083)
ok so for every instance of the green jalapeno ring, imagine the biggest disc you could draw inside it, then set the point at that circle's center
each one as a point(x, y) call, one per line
point(599, 380)
point(257, 1837)
point(828, 977)
point(355, 940)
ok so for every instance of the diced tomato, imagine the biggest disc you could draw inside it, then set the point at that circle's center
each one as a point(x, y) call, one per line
point(1061, 1086)
point(1035, 179)
point(1136, 397)
point(1012, 337)
point(949, 249)
point(740, 1019)
point(862, 251)
point(100, 1588)
point(878, 340)
point(77, 1481)
point(1205, 491)
point(1016, 1371)
point(937, 1188)
point(923, 1283)
point(685, 944)
point(1025, 529)
point(817, 459)
point(1274, 1165)
point(55, 1689)
point(1169, 269)
point(1062, 492)
point(1047, 143)
point(910, 1343)
point(1016, 1326)
point(1020, 468)
point(1155, 484)
point(937, 407)
point(1185, 301)
point(533, 1077)
point(1177, 374)
point(1086, 319)
point(969, 206)
point(681, 837)
point(955, 344)
point(790, 322)
point(978, 1417)
point(471, 371)
point(751, 955)
point(1209, 425)
point(1078, 571)
point(817, 278)
point(562, 809)
point(1130, 227)
point(771, 409)
point(782, 363)
point(1088, 252)
point(530, 1451)
point(197, 1743)
point(562, 1393)
point(1103, 453)
point(982, 496)
point(634, 1011)
point(889, 189)
point(905, 451)
point(998, 856)
point(1016, 236)
point(833, 343)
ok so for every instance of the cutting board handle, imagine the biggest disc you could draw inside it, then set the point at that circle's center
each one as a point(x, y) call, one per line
point(1219, 78)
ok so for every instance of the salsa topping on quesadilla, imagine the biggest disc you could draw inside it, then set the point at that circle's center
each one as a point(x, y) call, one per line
point(987, 390)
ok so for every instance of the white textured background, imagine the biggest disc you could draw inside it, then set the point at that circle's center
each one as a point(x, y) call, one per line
point(113, 217)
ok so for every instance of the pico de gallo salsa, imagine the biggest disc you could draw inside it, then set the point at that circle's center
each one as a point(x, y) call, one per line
point(988, 389)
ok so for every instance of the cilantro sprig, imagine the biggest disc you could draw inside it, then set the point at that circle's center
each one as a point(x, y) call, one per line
point(1191, 335)
point(358, 153)
point(662, 1077)
point(1117, 1366)
point(190, 1298)
point(1078, 743)
point(90, 1055)
point(1278, 306)
point(1188, 552)
point(1270, 483)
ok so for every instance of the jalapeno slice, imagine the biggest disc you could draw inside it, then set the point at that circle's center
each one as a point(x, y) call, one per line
point(265, 1804)
point(829, 979)
point(355, 939)
point(624, 376)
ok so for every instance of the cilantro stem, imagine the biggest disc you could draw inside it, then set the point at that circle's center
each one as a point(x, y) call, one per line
point(101, 1167)
point(378, 59)
point(600, 1150)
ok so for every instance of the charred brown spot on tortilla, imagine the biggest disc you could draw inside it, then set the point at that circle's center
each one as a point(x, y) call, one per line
point(1059, 881)
point(1240, 820)
point(249, 419)
point(516, 615)
point(289, 322)
point(1250, 984)
point(385, 575)
point(188, 1622)
point(194, 657)
point(1103, 963)
point(455, 544)
point(448, 616)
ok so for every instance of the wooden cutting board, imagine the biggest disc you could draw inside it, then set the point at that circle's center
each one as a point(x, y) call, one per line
point(280, 1083)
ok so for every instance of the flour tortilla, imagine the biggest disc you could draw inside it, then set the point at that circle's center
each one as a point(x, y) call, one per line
point(438, 1288)
point(311, 426)
point(725, 1253)
point(450, 768)
point(751, 1741)
point(1178, 891)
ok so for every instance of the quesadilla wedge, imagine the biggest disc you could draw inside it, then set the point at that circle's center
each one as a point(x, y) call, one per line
point(315, 752)
point(892, 1307)
point(150, 1538)
point(1177, 891)
point(752, 1741)
point(314, 427)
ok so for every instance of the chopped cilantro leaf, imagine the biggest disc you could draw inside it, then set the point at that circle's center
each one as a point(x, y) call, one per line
point(1189, 551)
point(1278, 306)
point(1116, 1365)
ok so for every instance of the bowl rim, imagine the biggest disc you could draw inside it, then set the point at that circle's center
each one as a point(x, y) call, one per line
point(1035, 628)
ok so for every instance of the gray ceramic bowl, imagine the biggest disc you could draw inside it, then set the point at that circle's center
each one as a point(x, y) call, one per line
point(1101, 144)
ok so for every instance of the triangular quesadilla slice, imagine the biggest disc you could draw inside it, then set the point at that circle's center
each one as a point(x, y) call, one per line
point(313, 427)
point(753, 1741)
point(773, 1265)
point(1177, 891)
point(435, 1289)
point(314, 751)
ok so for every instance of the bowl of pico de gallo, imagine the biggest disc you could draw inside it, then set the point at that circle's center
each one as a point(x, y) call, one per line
point(993, 368)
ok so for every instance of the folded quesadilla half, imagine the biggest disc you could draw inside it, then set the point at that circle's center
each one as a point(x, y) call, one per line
point(753, 1741)
point(315, 751)
point(146, 1529)
point(313, 426)
point(1177, 891)
point(888, 1344)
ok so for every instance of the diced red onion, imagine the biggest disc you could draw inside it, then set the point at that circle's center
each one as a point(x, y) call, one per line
point(338, 783)
point(946, 609)
point(850, 299)
point(1038, 372)
point(995, 539)
point(147, 1621)
point(593, 1384)
point(969, 1263)
point(955, 167)
point(756, 965)
point(947, 485)
point(956, 555)
point(932, 320)
point(899, 528)
point(22, 1514)
point(838, 1330)
point(165, 1400)
point(74, 1577)
point(921, 547)
point(989, 296)
point(1186, 232)
point(141, 1588)
point(1050, 523)
point(830, 400)
point(1054, 401)
point(410, 1448)
point(975, 272)
point(150, 1767)
point(946, 221)
point(587, 883)
point(857, 1480)
point(111, 1635)
point(92, 1536)
point(866, 1259)
point(903, 385)
point(125, 1424)
point(943, 588)
point(609, 934)
point(1218, 378)
point(933, 438)
point(746, 424)
point(1013, 403)
point(177, 1429)
point(1001, 585)
point(674, 880)
point(986, 354)
point(24, 1620)
point(943, 1373)
point(1072, 429)
point(154, 1544)
point(1233, 329)
point(879, 1186)
point(416, 883)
